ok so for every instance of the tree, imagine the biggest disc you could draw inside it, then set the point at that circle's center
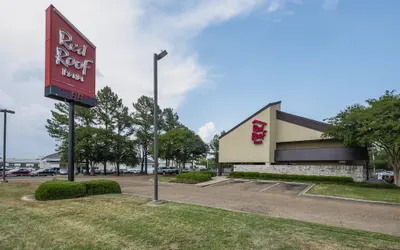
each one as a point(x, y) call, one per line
point(375, 124)
point(170, 120)
point(183, 145)
point(57, 128)
point(124, 129)
point(143, 120)
point(107, 104)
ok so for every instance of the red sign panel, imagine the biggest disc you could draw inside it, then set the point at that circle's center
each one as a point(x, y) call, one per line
point(70, 71)
point(258, 131)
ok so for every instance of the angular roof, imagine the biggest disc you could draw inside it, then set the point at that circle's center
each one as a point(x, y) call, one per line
point(283, 116)
point(256, 113)
point(52, 156)
point(301, 121)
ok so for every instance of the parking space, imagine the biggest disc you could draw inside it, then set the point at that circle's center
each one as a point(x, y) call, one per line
point(261, 186)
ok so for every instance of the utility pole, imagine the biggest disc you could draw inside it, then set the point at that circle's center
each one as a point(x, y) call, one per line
point(156, 58)
point(5, 111)
point(71, 142)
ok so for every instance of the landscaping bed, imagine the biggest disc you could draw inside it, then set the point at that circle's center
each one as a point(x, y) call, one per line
point(291, 177)
point(59, 189)
point(194, 177)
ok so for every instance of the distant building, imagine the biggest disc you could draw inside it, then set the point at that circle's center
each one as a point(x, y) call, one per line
point(51, 161)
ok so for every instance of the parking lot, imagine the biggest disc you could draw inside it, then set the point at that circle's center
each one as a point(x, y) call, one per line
point(282, 188)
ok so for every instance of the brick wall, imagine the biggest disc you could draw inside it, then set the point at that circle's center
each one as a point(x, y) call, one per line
point(356, 172)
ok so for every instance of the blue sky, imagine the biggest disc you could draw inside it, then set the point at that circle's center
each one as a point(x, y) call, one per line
point(315, 61)
point(226, 60)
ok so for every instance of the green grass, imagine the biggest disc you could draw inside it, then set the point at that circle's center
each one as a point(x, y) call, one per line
point(364, 193)
point(129, 222)
point(166, 178)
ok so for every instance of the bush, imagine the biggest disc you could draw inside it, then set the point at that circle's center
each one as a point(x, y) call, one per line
point(291, 177)
point(102, 187)
point(208, 171)
point(194, 177)
point(57, 190)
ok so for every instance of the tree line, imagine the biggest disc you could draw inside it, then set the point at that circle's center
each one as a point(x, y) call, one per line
point(112, 132)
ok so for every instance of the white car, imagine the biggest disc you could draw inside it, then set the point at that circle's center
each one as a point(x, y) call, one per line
point(383, 174)
point(132, 171)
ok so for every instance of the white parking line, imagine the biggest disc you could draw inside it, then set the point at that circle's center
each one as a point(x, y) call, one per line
point(270, 187)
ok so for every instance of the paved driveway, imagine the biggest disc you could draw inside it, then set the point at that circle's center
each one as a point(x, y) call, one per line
point(272, 200)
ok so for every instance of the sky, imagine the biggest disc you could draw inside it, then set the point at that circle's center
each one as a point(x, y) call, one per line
point(226, 58)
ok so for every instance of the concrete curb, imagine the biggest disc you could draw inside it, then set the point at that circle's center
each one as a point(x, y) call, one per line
point(272, 181)
point(306, 189)
point(29, 198)
point(210, 183)
point(162, 182)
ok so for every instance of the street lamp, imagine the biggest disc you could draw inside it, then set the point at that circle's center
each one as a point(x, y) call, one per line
point(5, 111)
point(156, 58)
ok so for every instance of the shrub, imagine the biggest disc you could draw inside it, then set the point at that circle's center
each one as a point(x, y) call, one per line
point(102, 187)
point(208, 171)
point(193, 177)
point(291, 177)
point(57, 190)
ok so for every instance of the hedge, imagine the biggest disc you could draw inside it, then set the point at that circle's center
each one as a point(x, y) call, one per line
point(194, 177)
point(102, 187)
point(57, 190)
point(291, 177)
point(208, 171)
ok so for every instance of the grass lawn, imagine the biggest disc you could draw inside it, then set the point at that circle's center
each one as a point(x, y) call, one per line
point(165, 178)
point(364, 193)
point(129, 222)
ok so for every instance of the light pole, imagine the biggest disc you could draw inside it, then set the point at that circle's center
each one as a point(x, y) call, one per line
point(156, 58)
point(5, 111)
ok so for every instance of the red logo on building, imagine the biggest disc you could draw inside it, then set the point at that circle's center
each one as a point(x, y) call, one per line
point(258, 132)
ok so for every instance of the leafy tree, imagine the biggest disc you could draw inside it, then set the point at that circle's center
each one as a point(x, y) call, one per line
point(170, 120)
point(183, 144)
point(375, 124)
point(143, 120)
point(107, 104)
point(57, 128)
point(124, 129)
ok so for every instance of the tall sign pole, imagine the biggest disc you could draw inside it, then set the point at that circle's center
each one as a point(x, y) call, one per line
point(70, 70)
point(5, 111)
point(155, 129)
point(71, 142)
point(156, 58)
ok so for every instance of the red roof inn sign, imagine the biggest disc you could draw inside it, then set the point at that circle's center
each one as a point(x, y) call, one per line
point(258, 131)
point(70, 72)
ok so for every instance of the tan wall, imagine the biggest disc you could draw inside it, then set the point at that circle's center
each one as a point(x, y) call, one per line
point(309, 144)
point(237, 146)
point(289, 132)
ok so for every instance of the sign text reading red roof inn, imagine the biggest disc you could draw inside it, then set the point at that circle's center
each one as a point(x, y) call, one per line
point(70, 70)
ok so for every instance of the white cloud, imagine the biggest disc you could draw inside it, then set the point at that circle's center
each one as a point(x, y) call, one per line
point(330, 4)
point(207, 131)
point(126, 34)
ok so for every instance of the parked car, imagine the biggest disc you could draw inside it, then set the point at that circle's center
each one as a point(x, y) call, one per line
point(167, 170)
point(63, 172)
point(132, 171)
point(18, 172)
point(43, 172)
